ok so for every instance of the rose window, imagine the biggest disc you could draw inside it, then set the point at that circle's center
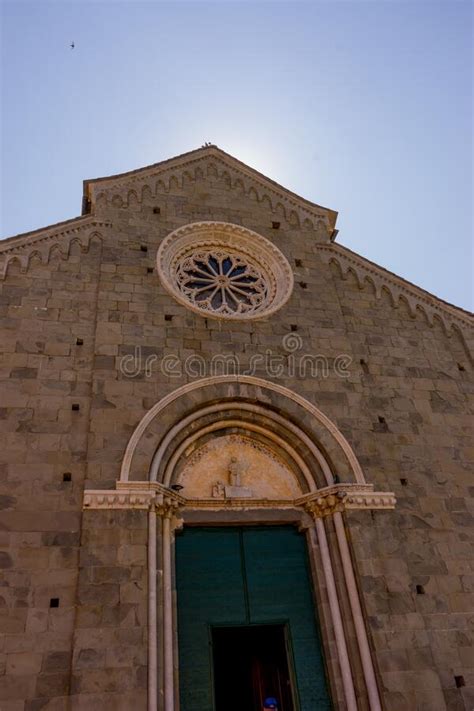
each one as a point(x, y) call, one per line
point(222, 282)
point(224, 271)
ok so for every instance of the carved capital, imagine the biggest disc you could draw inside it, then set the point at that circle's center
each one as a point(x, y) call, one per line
point(342, 497)
point(326, 505)
point(166, 506)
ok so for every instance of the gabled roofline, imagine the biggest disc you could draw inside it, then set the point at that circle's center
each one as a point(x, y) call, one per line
point(74, 223)
point(409, 284)
point(415, 296)
point(16, 244)
point(211, 150)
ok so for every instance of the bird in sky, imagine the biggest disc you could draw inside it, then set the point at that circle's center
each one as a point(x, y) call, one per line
point(72, 45)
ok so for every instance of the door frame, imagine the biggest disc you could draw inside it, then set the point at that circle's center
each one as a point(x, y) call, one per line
point(268, 517)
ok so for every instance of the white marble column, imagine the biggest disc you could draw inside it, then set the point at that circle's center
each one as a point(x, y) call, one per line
point(152, 613)
point(167, 509)
point(336, 617)
point(357, 616)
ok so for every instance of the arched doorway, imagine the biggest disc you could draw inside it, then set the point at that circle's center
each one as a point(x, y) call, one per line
point(236, 453)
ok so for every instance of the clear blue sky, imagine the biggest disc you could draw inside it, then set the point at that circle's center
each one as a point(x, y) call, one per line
point(364, 107)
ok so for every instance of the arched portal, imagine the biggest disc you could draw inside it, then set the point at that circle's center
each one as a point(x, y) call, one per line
point(244, 452)
point(256, 392)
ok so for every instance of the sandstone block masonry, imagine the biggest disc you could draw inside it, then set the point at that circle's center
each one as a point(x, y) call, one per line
point(78, 297)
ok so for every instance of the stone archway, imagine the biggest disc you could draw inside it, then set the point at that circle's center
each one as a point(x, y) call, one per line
point(214, 437)
point(256, 390)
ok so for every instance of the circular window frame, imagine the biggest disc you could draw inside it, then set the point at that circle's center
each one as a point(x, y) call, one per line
point(237, 241)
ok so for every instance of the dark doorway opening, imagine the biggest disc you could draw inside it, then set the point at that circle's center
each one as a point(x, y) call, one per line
point(251, 664)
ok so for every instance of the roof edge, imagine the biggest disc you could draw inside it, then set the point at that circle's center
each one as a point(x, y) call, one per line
point(79, 221)
point(396, 280)
point(212, 150)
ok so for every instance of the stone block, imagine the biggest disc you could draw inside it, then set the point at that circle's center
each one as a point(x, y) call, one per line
point(17, 687)
point(56, 684)
point(24, 663)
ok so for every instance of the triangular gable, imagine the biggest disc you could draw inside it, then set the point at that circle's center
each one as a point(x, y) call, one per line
point(209, 160)
point(42, 243)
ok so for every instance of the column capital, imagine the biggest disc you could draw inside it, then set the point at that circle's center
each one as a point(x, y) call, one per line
point(343, 497)
point(325, 505)
point(167, 506)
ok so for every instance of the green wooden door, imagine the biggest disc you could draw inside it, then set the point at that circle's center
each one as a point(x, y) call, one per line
point(245, 576)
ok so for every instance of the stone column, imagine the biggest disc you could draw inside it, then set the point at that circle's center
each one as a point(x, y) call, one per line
point(152, 613)
point(315, 509)
point(333, 505)
point(359, 624)
point(167, 508)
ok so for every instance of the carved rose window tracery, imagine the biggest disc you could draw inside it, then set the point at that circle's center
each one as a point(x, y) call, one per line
point(222, 282)
point(224, 271)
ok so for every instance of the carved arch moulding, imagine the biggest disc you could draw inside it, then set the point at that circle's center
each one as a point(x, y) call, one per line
point(304, 446)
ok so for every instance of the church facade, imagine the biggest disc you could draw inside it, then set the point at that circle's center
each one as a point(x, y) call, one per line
point(236, 460)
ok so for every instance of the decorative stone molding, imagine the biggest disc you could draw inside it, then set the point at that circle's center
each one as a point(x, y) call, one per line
point(265, 385)
point(167, 506)
point(220, 270)
point(134, 495)
point(97, 499)
point(167, 503)
point(130, 189)
point(325, 505)
point(249, 504)
point(341, 497)
point(373, 500)
point(42, 245)
point(414, 297)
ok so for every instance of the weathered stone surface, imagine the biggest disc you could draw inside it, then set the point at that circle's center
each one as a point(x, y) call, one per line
point(405, 408)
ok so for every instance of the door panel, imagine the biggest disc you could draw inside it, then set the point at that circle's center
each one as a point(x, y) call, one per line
point(210, 587)
point(279, 589)
point(245, 576)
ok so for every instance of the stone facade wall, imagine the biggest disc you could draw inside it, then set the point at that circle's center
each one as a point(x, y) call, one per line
point(109, 666)
point(43, 462)
point(423, 452)
point(91, 649)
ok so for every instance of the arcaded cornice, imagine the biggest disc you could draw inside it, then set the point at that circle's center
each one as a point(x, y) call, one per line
point(416, 298)
point(161, 177)
point(41, 244)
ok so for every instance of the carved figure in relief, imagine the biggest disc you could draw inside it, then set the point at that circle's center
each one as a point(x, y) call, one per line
point(236, 469)
point(218, 490)
point(234, 489)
